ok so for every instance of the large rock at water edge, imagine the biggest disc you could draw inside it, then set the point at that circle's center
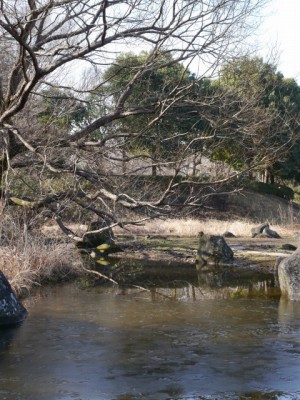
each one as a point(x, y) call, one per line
point(212, 248)
point(11, 310)
point(289, 276)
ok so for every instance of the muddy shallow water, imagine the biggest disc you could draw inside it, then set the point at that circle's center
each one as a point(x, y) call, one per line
point(180, 340)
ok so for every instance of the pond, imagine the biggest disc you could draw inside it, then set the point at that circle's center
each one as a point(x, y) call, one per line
point(185, 338)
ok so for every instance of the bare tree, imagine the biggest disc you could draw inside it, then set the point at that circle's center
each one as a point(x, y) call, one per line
point(50, 41)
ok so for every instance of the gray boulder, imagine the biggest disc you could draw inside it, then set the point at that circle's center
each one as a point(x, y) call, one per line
point(259, 229)
point(212, 249)
point(11, 310)
point(270, 233)
point(289, 276)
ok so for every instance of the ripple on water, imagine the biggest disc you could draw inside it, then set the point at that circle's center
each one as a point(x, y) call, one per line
point(103, 346)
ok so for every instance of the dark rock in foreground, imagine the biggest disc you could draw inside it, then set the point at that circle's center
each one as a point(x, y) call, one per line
point(11, 310)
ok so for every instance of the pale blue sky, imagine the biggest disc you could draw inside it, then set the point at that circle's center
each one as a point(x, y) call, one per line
point(281, 28)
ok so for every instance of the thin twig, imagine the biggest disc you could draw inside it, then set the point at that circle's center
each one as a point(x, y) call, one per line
point(99, 274)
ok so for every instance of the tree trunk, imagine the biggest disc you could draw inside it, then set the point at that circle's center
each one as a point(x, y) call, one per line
point(270, 178)
point(154, 170)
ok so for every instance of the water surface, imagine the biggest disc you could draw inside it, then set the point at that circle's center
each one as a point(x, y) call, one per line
point(180, 342)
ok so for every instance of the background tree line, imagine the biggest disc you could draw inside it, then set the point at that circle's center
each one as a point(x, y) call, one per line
point(247, 117)
point(63, 141)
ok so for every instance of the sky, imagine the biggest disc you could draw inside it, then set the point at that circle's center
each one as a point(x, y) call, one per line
point(281, 28)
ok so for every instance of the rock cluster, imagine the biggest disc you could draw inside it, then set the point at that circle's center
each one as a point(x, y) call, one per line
point(264, 230)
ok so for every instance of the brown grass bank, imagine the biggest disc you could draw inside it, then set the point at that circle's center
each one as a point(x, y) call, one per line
point(31, 258)
point(28, 259)
point(188, 227)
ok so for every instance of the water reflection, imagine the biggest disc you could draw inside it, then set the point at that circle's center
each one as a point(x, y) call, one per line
point(6, 336)
point(187, 339)
point(184, 282)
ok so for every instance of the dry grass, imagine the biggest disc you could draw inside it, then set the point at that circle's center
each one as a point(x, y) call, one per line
point(191, 227)
point(29, 266)
point(27, 260)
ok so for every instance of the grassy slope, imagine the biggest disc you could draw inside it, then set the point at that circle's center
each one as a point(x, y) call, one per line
point(262, 207)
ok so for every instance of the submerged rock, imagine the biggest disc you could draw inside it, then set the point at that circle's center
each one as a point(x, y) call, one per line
point(11, 310)
point(212, 249)
point(289, 276)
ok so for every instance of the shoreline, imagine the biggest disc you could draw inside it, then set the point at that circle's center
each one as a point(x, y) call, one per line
point(55, 259)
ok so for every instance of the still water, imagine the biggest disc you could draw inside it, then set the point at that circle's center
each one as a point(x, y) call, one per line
point(184, 341)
